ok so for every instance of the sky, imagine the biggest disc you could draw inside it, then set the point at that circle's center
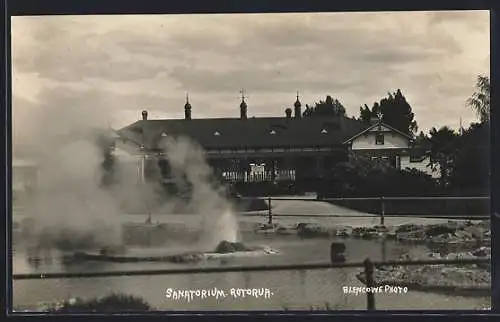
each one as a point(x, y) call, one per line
point(107, 69)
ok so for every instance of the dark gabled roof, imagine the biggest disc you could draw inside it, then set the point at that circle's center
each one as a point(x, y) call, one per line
point(249, 133)
point(366, 129)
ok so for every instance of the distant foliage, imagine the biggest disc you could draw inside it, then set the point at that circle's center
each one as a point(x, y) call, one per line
point(328, 107)
point(394, 111)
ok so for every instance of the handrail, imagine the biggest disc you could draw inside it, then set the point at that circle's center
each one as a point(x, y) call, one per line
point(381, 200)
point(472, 217)
point(208, 270)
point(371, 198)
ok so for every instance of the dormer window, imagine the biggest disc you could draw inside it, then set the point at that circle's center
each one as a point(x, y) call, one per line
point(379, 139)
point(324, 131)
point(217, 133)
point(273, 132)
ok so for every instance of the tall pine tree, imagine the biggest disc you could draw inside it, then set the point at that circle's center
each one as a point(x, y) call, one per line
point(395, 111)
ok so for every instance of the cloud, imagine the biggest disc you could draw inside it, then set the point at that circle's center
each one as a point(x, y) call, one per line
point(126, 63)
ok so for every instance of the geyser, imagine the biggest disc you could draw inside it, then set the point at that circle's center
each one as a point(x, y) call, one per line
point(70, 202)
point(208, 198)
point(70, 208)
point(61, 135)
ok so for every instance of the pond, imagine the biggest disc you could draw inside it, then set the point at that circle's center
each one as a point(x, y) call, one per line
point(290, 289)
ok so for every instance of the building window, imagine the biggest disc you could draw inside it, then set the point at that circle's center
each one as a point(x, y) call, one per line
point(374, 158)
point(379, 139)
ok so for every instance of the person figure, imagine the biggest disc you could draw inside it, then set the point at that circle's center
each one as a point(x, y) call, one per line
point(148, 221)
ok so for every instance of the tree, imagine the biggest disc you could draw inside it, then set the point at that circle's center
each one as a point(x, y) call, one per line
point(443, 152)
point(365, 114)
point(480, 99)
point(472, 162)
point(395, 111)
point(328, 107)
point(421, 139)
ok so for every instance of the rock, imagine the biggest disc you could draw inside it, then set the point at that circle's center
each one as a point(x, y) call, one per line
point(441, 229)
point(225, 247)
point(112, 250)
point(268, 226)
point(381, 228)
point(482, 252)
point(464, 235)
point(454, 224)
point(286, 231)
point(475, 232)
point(313, 230)
point(186, 258)
point(418, 235)
point(484, 224)
point(408, 228)
point(433, 277)
point(344, 232)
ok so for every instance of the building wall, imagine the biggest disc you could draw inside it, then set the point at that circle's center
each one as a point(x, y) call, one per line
point(421, 165)
point(394, 145)
point(391, 141)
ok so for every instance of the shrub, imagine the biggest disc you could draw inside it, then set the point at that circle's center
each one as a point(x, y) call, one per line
point(111, 303)
point(362, 177)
